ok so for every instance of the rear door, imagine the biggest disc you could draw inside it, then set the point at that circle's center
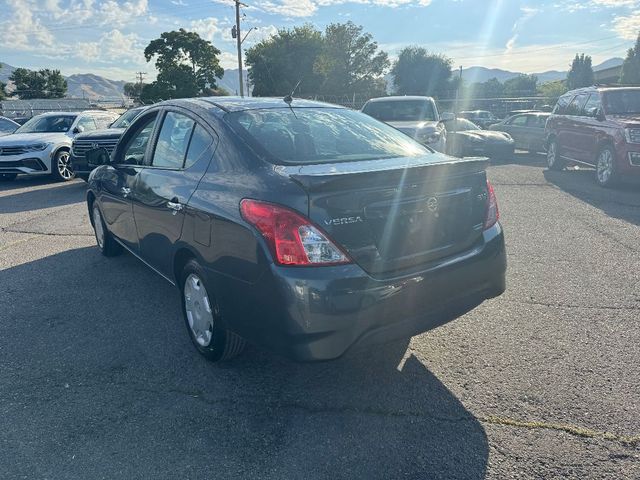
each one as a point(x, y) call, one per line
point(393, 217)
point(517, 127)
point(181, 154)
point(573, 132)
point(591, 130)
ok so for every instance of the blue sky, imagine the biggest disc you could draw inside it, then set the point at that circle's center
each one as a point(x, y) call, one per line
point(107, 37)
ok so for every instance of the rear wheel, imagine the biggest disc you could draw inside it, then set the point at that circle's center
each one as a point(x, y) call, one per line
point(203, 318)
point(61, 168)
point(554, 161)
point(605, 167)
point(7, 177)
point(106, 243)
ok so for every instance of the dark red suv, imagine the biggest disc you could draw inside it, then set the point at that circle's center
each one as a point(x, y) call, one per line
point(600, 127)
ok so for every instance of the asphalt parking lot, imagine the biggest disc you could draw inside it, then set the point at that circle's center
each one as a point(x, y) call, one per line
point(98, 378)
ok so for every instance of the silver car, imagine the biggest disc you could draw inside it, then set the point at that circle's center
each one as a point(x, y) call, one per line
point(526, 129)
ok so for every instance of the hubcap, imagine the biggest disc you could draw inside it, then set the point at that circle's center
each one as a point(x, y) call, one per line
point(199, 311)
point(97, 226)
point(64, 165)
point(551, 154)
point(605, 166)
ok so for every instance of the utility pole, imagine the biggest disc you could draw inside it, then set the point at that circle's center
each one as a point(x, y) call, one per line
point(239, 43)
point(140, 77)
point(457, 109)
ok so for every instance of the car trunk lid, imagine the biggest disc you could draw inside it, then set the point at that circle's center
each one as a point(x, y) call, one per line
point(399, 213)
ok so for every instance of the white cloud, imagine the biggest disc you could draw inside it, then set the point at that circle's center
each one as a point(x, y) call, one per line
point(628, 26)
point(307, 8)
point(207, 28)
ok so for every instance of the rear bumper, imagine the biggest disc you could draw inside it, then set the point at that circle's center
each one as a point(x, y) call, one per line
point(311, 314)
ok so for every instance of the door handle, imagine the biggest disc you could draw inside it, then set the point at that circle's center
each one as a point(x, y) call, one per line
point(125, 191)
point(175, 206)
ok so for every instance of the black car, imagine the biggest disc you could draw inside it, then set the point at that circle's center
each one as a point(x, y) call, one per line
point(99, 139)
point(466, 139)
point(302, 227)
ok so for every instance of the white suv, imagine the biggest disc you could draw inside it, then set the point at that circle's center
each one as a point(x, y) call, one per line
point(42, 145)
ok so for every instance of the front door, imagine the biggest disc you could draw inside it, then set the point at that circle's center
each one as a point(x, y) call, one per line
point(119, 180)
point(180, 159)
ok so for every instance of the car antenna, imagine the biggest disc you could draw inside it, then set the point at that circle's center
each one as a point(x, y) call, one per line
point(288, 99)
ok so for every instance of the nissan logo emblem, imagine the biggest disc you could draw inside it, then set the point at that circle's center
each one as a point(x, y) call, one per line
point(432, 204)
point(95, 146)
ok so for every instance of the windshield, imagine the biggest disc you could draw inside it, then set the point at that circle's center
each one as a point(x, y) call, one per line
point(621, 102)
point(401, 110)
point(48, 124)
point(461, 125)
point(126, 118)
point(320, 135)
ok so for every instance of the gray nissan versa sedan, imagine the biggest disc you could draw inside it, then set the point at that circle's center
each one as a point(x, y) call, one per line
point(296, 225)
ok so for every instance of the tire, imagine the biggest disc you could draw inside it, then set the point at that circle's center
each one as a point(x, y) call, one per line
point(8, 177)
point(606, 174)
point(106, 243)
point(554, 162)
point(61, 168)
point(203, 319)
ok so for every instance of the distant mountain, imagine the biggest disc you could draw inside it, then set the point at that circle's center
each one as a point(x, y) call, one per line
point(612, 62)
point(231, 82)
point(87, 85)
point(5, 71)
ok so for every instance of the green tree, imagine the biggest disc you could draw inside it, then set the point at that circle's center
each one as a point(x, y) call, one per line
point(44, 83)
point(418, 72)
point(492, 88)
point(350, 61)
point(631, 66)
point(553, 90)
point(278, 63)
point(133, 90)
point(581, 73)
point(521, 86)
point(187, 65)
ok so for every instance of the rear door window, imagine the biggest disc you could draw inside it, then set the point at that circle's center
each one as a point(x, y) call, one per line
point(563, 103)
point(173, 141)
point(518, 121)
point(200, 142)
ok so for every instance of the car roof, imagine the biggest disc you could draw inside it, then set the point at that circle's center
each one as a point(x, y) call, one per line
point(600, 88)
point(399, 98)
point(238, 104)
point(48, 114)
point(475, 111)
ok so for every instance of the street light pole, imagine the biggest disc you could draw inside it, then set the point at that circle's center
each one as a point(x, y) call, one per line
point(239, 43)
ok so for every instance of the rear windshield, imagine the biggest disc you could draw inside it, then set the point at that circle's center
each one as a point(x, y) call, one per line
point(621, 102)
point(401, 110)
point(320, 135)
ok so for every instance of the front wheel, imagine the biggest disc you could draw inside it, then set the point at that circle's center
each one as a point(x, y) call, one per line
point(203, 318)
point(554, 161)
point(606, 168)
point(61, 168)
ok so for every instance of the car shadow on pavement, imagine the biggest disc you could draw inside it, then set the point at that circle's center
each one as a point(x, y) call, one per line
point(523, 158)
point(622, 202)
point(53, 194)
point(102, 378)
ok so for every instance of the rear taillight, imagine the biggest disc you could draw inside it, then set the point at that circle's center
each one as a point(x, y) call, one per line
point(292, 238)
point(492, 213)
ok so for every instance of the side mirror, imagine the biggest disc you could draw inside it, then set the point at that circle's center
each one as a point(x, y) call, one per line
point(447, 117)
point(78, 129)
point(97, 157)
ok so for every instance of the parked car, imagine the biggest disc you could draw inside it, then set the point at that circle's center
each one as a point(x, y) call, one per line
point(41, 146)
point(526, 129)
point(417, 117)
point(599, 127)
point(7, 126)
point(99, 139)
point(465, 138)
point(302, 227)
point(482, 118)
